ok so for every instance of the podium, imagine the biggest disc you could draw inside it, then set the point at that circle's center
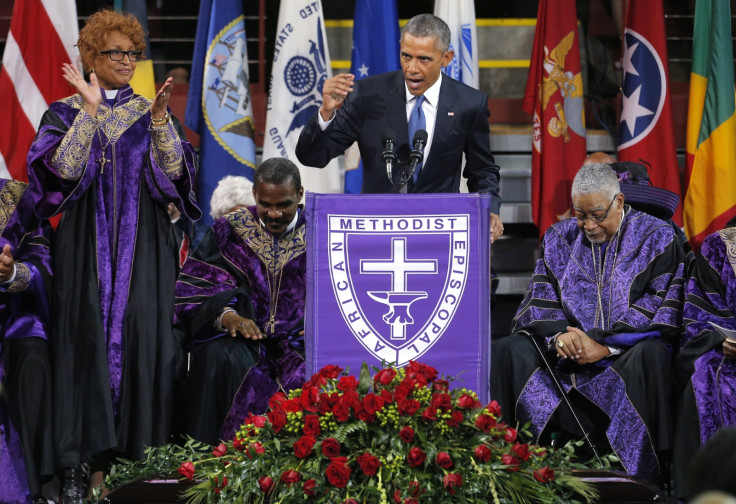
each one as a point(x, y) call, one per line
point(397, 278)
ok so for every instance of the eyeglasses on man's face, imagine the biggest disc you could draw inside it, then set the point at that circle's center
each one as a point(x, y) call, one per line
point(581, 217)
point(118, 55)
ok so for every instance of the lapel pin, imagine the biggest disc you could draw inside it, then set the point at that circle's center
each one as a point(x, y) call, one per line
point(451, 114)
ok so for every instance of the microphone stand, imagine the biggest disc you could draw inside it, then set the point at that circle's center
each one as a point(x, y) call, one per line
point(561, 390)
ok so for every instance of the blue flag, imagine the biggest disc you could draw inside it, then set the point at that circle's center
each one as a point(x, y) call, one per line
point(219, 106)
point(375, 50)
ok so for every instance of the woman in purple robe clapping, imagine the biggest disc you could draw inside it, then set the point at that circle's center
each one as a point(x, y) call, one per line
point(110, 161)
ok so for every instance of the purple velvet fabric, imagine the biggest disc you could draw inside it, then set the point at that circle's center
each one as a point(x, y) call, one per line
point(247, 253)
point(130, 156)
point(23, 314)
point(711, 297)
point(13, 479)
point(640, 299)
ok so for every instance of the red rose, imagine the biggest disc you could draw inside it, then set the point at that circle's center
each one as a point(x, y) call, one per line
point(186, 469)
point(324, 405)
point(310, 399)
point(317, 380)
point(277, 419)
point(521, 450)
point(338, 474)
point(255, 448)
point(410, 501)
point(366, 417)
point(451, 481)
point(239, 444)
point(303, 446)
point(441, 401)
point(384, 376)
point(494, 409)
point(406, 434)
point(255, 420)
point(311, 425)
point(510, 435)
point(456, 419)
point(397, 496)
point(416, 456)
point(443, 460)
point(291, 405)
point(290, 477)
point(387, 396)
point(512, 462)
point(350, 501)
point(544, 474)
point(330, 371)
point(265, 483)
point(372, 403)
point(368, 463)
point(277, 400)
point(467, 401)
point(341, 412)
point(482, 453)
point(403, 389)
point(308, 487)
point(408, 407)
point(430, 414)
point(485, 422)
point(219, 487)
point(441, 386)
point(415, 489)
point(347, 383)
point(330, 447)
point(219, 450)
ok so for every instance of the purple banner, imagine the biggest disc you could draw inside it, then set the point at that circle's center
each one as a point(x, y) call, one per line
point(398, 278)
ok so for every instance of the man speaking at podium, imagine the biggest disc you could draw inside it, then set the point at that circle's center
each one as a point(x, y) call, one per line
point(387, 110)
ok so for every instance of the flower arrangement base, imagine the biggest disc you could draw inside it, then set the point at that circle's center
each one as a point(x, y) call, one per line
point(613, 487)
point(150, 491)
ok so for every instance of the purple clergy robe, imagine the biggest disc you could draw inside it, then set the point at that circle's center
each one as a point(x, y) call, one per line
point(23, 314)
point(241, 264)
point(112, 176)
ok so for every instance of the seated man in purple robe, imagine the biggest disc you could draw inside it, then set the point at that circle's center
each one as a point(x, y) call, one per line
point(706, 363)
point(26, 455)
point(241, 298)
point(604, 305)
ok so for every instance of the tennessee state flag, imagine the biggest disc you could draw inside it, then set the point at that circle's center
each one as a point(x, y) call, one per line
point(554, 96)
point(710, 199)
point(645, 129)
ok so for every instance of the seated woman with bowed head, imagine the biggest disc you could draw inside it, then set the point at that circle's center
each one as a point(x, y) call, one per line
point(604, 306)
point(111, 161)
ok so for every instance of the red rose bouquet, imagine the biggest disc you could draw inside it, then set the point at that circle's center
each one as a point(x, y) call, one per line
point(402, 436)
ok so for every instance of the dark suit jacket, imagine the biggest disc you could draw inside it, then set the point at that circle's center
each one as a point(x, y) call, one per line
point(379, 102)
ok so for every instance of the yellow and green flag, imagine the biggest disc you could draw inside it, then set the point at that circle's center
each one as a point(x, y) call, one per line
point(710, 200)
point(143, 81)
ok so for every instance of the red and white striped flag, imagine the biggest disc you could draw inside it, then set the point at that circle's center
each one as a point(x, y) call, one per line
point(42, 37)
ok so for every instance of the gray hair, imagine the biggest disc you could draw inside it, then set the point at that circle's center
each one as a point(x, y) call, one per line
point(231, 191)
point(427, 25)
point(596, 178)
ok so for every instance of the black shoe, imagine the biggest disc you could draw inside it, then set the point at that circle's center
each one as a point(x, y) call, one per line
point(40, 500)
point(75, 485)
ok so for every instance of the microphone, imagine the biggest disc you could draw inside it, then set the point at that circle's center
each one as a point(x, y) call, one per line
point(389, 156)
point(417, 152)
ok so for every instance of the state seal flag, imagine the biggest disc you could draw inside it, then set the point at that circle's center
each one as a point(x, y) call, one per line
point(375, 50)
point(710, 198)
point(301, 65)
point(460, 17)
point(645, 129)
point(554, 97)
point(41, 38)
point(219, 107)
